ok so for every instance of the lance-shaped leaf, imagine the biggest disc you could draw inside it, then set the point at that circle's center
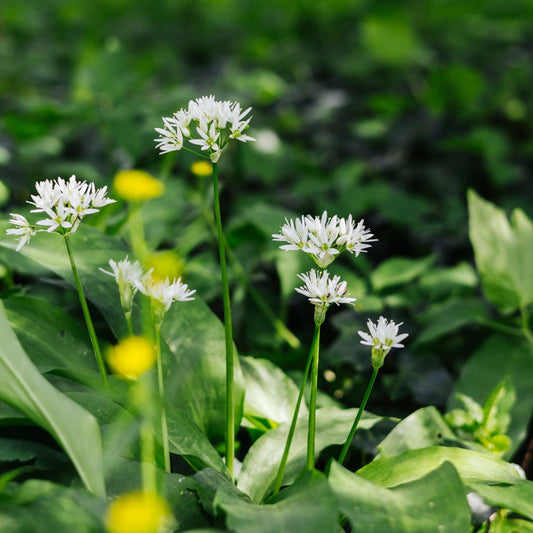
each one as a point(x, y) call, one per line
point(23, 387)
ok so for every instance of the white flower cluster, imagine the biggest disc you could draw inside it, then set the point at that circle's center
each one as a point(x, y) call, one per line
point(207, 123)
point(324, 238)
point(65, 203)
point(131, 278)
point(382, 337)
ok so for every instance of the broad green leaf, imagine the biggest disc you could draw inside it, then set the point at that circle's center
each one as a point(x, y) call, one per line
point(308, 505)
point(504, 524)
point(194, 365)
point(445, 280)
point(444, 318)
point(503, 252)
point(472, 466)
point(421, 429)
point(261, 463)
point(269, 393)
point(53, 339)
point(23, 387)
point(39, 505)
point(435, 502)
point(497, 357)
point(399, 270)
point(517, 497)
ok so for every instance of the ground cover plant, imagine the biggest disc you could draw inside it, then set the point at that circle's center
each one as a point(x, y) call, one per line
point(284, 280)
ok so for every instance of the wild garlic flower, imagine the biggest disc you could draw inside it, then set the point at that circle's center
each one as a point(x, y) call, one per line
point(65, 203)
point(323, 291)
point(24, 229)
point(128, 276)
point(324, 238)
point(382, 337)
point(163, 292)
point(207, 123)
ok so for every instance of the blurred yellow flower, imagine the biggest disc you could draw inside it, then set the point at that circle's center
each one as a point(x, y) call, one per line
point(137, 185)
point(139, 512)
point(132, 357)
point(202, 169)
point(165, 264)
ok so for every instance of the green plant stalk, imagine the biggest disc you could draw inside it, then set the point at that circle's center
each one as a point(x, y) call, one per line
point(136, 231)
point(312, 402)
point(525, 324)
point(281, 329)
point(148, 475)
point(230, 408)
point(292, 429)
point(161, 387)
point(346, 446)
point(87, 315)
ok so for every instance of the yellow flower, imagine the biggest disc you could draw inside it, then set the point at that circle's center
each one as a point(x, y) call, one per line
point(202, 169)
point(138, 512)
point(165, 264)
point(132, 357)
point(137, 185)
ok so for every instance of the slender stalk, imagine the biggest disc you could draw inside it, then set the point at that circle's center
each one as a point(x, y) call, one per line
point(346, 446)
point(525, 324)
point(87, 315)
point(161, 386)
point(127, 315)
point(136, 231)
point(312, 403)
point(148, 474)
point(292, 429)
point(230, 409)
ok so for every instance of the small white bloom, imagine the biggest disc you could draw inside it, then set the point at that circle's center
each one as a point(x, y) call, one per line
point(59, 218)
point(324, 238)
point(128, 277)
point(382, 337)
point(23, 229)
point(323, 291)
point(205, 122)
point(164, 292)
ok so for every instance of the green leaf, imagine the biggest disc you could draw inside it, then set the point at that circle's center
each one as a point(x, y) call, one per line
point(23, 387)
point(472, 466)
point(261, 463)
point(503, 524)
point(270, 393)
point(517, 497)
point(497, 357)
point(308, 505)
point(497, 408)
point(503, 253)
point(421, 429)
point(444, 318)
point(435, 502)
point(53, 339)
point(399, 270)
point(194, 365)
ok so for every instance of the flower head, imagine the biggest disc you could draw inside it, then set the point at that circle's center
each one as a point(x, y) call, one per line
point(207, 123)
point(137, 185)
point(324, 238)
point(128, 276)
point(139, 512)
point(65, 204)
point(163, 292)
point(323, 291)
point(131, 357)
point(382, 337)
point(23, 228)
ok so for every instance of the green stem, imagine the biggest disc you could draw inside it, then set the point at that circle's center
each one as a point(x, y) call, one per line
point(136, 231)
point(346, 446)
point(292, 429)
point(511, 330)
point(230, 409)
point(525, 324)
point(312, 403)
point(148, 473)
point(87, 315)
point(127, 315)
point(161, 386)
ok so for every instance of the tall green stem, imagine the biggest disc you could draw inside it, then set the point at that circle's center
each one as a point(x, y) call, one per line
point(161, 386)
point(87, 315)
point(136, 231)
point(230, 409)
point(312, 402)
point(346, 446)
point(290, 435)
